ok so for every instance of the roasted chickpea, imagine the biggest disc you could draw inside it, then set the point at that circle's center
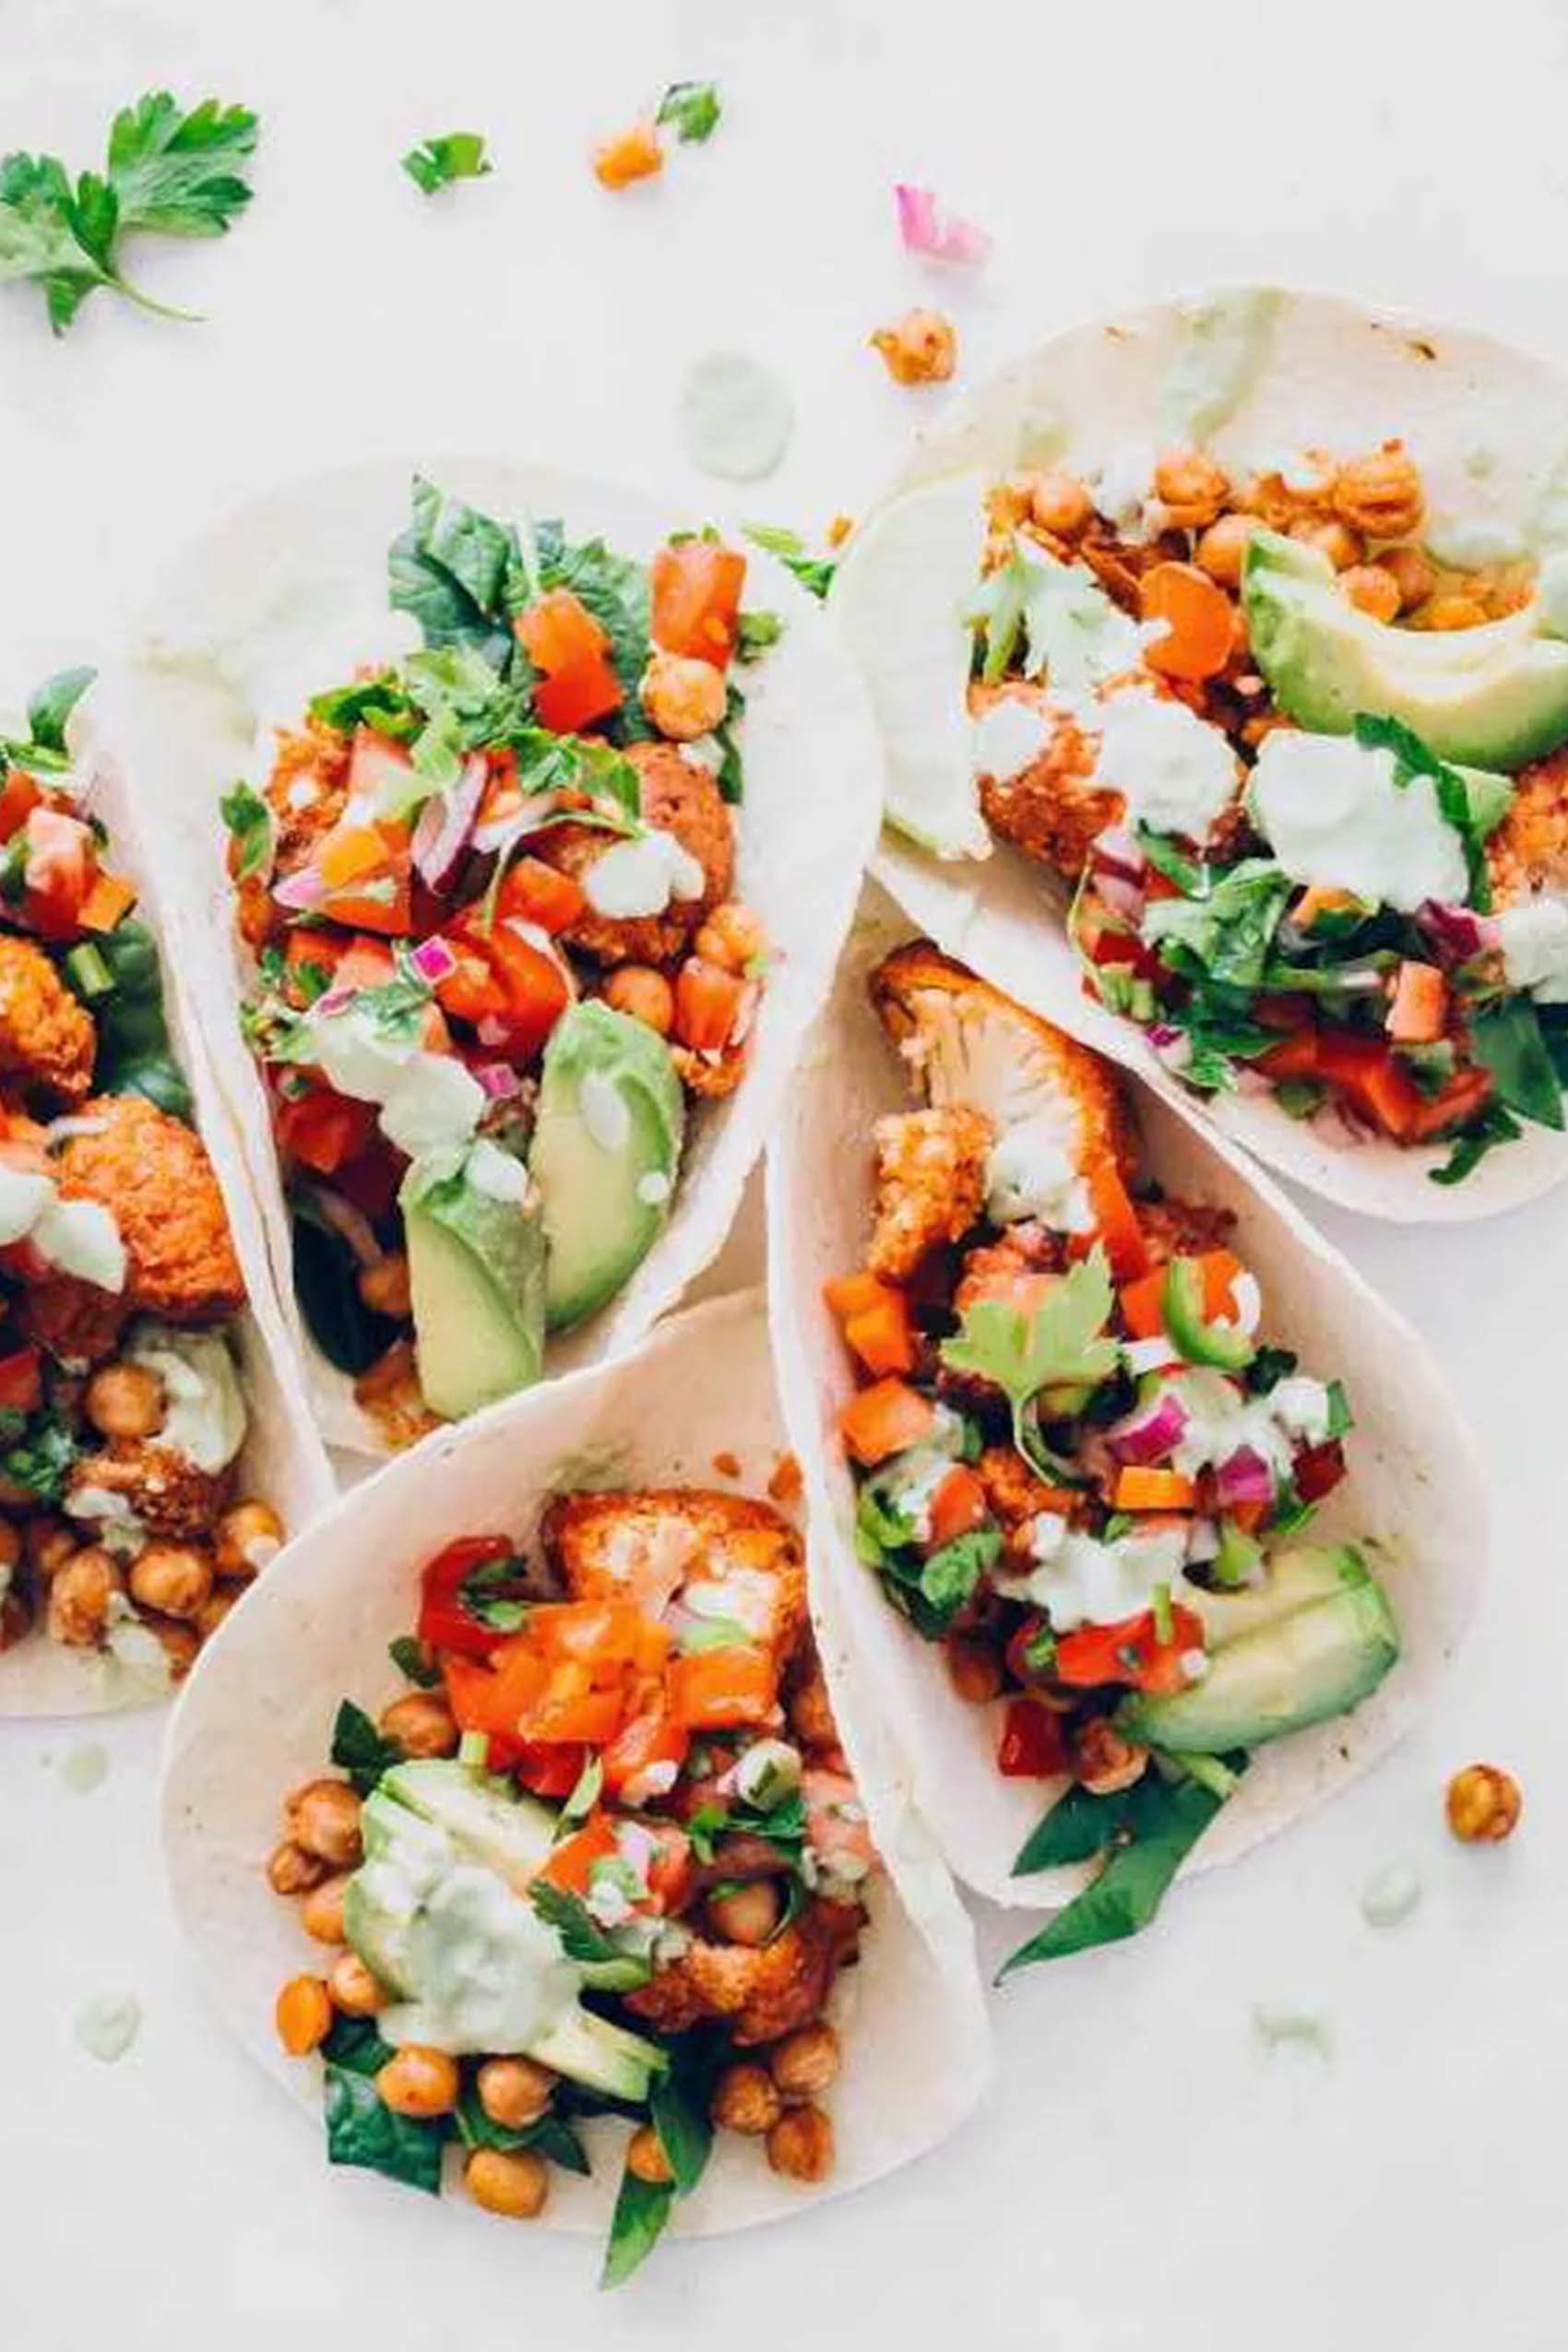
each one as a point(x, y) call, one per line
point(419, 2080)
point(514, 2092)
point(644, 994)
point(683, 696)
point(746, 1914)
point(1414, 573)
point(1380, 496)
point(974, 1666)
point(1332, 538)
point(321, 1913)
point(1222, 546)
point(323, 1817)
point(125, 1400)
point(512, 2181)
point(805, 2063)
point(810, 1712)
point(1059, 503)
point(1483, 1804)
point(1452, 611)
point(732, 937)
point(801, 2143)
point(180, 1644)
point(1371, 590)
point(212, 1612)
point(745, 2098)
point(920, 348)
point(173, 1578)
point(290, 1870)
point(80, 1595)
point(646, 2157)
point(248, 1539)
point(386, 1287)
point(421, 1723)
point(50, 1544)
point(10, 1543)
point(1191, 488)
point(303, 2015)
point(1103, 1761)
point(630, 155)
point(353, 1989)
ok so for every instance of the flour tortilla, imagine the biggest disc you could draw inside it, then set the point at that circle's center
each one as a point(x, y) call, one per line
point(1415, 1499)
point(282, 1460)
point(1488, 426)
point(286, 598)
point(256, 1718)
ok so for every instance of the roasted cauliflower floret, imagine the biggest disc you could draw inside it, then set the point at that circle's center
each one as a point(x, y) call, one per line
point(153, 1174)
point(1530, 846)
point(158, 1485)
point(722, 1555)
point(761, 1990)
point(1052, 810)
point(47, 1039)
point(307, 788)
point(676, 795)
point(992, 1270)
point(931, 1183)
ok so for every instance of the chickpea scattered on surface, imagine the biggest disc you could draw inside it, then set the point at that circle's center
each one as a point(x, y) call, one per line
point(920, 348)
point(801, 2143)
point(173, 1578)
point(732, 937)
point(1380, 496)
point(745, 2098)
point(386, 1287)
point(514, 2092)
point(1414, 573)
point(805, 2063)
point(974, 1666)
point(1371, 590)
point(745, 1914)
point(1452, 611)
point(321, 1913)
point(303, 2015)
point(643, 994)
point(353, 1989)
point(1330, 537)
point(511, 2181)
point(646, 2157)
point(1191, 488)
point(1103, 1761)
point(125, 1400)
point(421, 1723)
point(1059, 503)
point(683, 698)
point(1483, 1804)
point(419, 2080)
point(290, 1870)
point(787, 1480)
point(248, 1539)
point(80, 1595)
point(630, 155)
point(1221, 549)
point(323, 1817)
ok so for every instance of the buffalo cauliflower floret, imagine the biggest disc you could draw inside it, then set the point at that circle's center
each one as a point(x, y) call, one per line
point(1530, 846)
point(152, 1173)
point(46, 1034)
point(1052, 810)
point(156, 1484)
point(931, 1183)
point(761, 1990)
point(1183, 1228)
point(676, 795)
point(307, 788)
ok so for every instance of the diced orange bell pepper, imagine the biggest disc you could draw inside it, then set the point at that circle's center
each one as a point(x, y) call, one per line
point(19, 795)
point(650, 1737)
point(630, 155)
point(535, 893)
point(1417, 1013)
point(556, 630)
point(1198, 618)
point(1143, 1490)
point(587, 1630)
point(957, 1506)
point(567, 1713)
point(1366, 1072)
point(884, 1419)
point(707, 1001)
point(696, 600)
point(881, 1334)
point(1116, 1221)
point(717, 1689)
point(852, 1294)
point(571, 1863)
point(1141, 1307)
point(108, 902)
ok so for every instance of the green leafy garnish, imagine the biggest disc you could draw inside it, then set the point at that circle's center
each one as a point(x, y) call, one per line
point(642, 2213)
point(359, 1749)
point(814, 571)
point(1190, 878)
point(49, 710)
point(549, 2135)
point(691, 109)
point(488, 1595)
point(250, 822)
point(1506, 1040)
point(757, 633)
point(136, 1054)
point(1226, 934)
point(361, 2129)
point(1491, 1126)
point(455, 155)
point(582, 1937)
point(461, 575)
point(679, 2105)
point(37, 1451)
point(1062, 1346)
point(407, 1656)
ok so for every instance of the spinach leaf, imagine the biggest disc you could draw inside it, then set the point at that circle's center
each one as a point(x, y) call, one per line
point(134, 1055)
point(1078, 1827)
point(951, 1573)
point(1225, 935)
point(1506, 1040)
point(679, 2103)
point(37, 1451)
point(642, 2211)
point(251, 826)
point(359, 1749)
point(549, 2135)
point(327, 1292)
point(461, 575)
point(1490, 1127)
point(454, 155)
point(691, 110)
point(615, 590)
point(361, 2130)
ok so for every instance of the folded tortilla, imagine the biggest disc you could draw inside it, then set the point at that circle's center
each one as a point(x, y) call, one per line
point(256, 1717)
point(286, 598)
point(1415, 1498)
point(1253, 375)
point(282, 1460)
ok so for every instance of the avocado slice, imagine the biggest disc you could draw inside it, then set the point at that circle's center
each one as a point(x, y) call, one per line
point(1493, 697)
point(510, 1835)
point(605, 1154)
point(1283, 1674)
point(476, 1266)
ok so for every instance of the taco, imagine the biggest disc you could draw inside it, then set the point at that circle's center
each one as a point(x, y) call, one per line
point(601, 1894)
point(533, 879)
point(1221, 657)
point(155, 1444)
point(1150, 1511)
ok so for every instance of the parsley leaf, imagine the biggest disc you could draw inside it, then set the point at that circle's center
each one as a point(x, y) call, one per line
point(1224, 935)
point(814, 571)
point(455, 155)
point(407, 1656)
point(1061, 1344)
point(359, 1749)
point(37, 1451)
point(691, 110)
point(250, 822)
point(582, 1937)
point(951, 1573)
point(756, 633)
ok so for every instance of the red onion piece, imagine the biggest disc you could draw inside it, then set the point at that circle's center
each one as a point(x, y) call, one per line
point(1150, 1434)
point(499, 1080)
point(434, 960)
point(1458, 932)
point(1123, 898)
point(1116, 851)
point(445, 824)
point(302, 889)
point(1243, 1477)
point(929, 229)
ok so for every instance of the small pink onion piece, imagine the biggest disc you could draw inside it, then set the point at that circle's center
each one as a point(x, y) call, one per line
point(334, 1000)
point(499, 1080)
point(928, 228)
point(500, 831)
point(1149, 1436)
point(491, 1029)
point(302, 889)
point(434, 960)
point(1244, 1477)
point(1123, 898)
point(445, 824)
point(1457, 931)
point(1116, 851)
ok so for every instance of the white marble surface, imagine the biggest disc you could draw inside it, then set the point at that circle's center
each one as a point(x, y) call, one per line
point(1145, 2175)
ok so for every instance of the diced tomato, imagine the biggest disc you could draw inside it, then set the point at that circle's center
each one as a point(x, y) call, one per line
point(551, 1771)
point(1466, 1093)
point(62, 865)
point(1116, 1221)
point(566, 1713)
point(443, 1622)
point(881, 1334)
point(19, 795)
point(571, 1863)
point(1293, 1057)
point(1110, 947)
point(322, 1129)
point(670, 1869)
point(957, 1506)
point(696, 600)
point(1418, 1012)
point(21, 1381)
point(472, 992)
point(1318, 1470)
point(574, 697)
point(370, 1180)
point(1367, 1072)
point(716, 1690)
point(535, 893)
point(556, 630)
point(649, 1737)
point(1145, 1489)
point(1129, 1651)
point(708, 998)
point(1033, 1745)
point(377, 766)
point(884, 1419)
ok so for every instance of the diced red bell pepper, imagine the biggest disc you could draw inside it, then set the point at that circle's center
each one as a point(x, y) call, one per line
point(650, 1737)
point(1466, 1092)
point(21, 1381)
point(1293, 1057)
point(1033, 1745)
point(959, 1507)
point(1318, 1470)
point(574, 697)
point(443, 1622)
point(556, 630)
point(1130, 1651)
point(1116, 1221)
point(535, 893)
point(552, 1770)
point(323, 1129)
point(1113, 948)
point(696, 600)
point(1373, 1079)
point(62, 865)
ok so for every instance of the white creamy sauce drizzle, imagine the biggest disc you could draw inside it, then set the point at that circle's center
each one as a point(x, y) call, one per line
point(640, 877)
point(1032, 1171)
point(1009, 735)
point(1082, 1581)
point(1121, 486)
point(496, 1173)
point(1225, 345)
point(1533, 935)
point(605, 1115)
point(76, 1237)
point(1176, 773)
point(1332, 813)
point(423, 1100)
point(204, 1407)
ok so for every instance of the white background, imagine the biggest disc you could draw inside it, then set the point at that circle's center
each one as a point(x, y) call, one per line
point(1143, 2173)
